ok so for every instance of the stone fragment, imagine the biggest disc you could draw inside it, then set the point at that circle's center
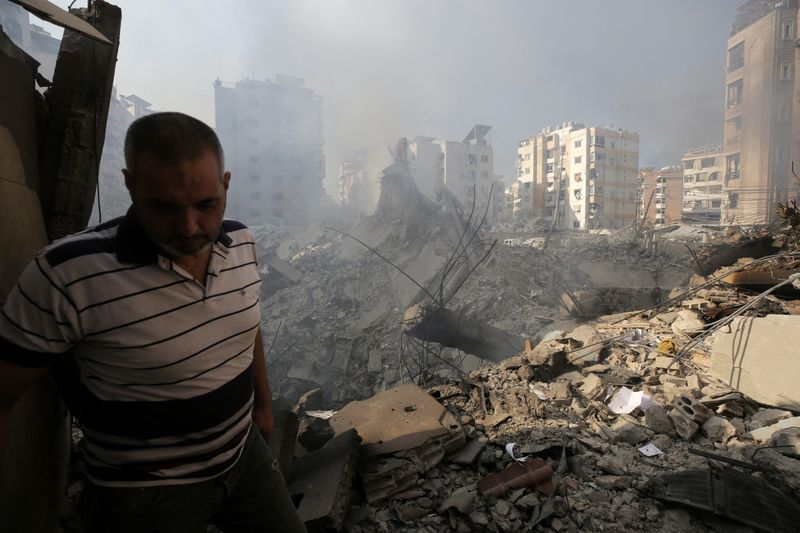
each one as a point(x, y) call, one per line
point(767, 417)
point(718, 429)
point(462, 499)
point(613, 482)
point(525, 372)
point(512, 363)
point(479, 518)
point(593, 387)
point(738, 423)
point(656, 418)
point(693, 381)
point(688, 322)
point(662, 442)
point(529, 501)
point(501, 508)
point(591, 346)
point(559, 391)
point(629, 432)
point(613, 464)
point(787, 442)
point(662, 362)
point(764, 434)
point(684, 427)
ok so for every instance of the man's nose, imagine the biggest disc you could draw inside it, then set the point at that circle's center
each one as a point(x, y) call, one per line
point(186, 223)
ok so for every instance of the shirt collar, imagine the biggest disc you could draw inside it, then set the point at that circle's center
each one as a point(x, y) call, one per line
point(135, 246)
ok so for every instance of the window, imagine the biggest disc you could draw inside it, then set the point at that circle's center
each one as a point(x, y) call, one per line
point(528, 170)
point(578, 160)
point(733, 166)
point(733, 199)
point(714, 176)
point(716, 204)
point(787, 29)
point(707, 162)
point(735, 93)
point(472, 174)
point(484, 159)
point(598, 140)
point(472, 159)
point(688, 164)
point(786, 72)
point(736, 57)
point(549, 154)
point(548, 168)
point(688, 179)
point(577, 193)
point(578, 144)
point(578, 177)
point(527, 157)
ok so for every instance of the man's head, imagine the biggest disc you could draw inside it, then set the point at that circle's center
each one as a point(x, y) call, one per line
point(175, 175)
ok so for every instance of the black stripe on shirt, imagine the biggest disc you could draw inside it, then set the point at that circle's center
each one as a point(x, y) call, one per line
point(39, 307)
point(241, 244)
point(117, 474)
point(145, 420)
point(162, 313)
point(154, 343)
point(104, 272)
point(232, 225)
point(98, 442)
point(62, 253)
point(30, 332)
point(131, 295)
point(53, 284)
point(18, 356)
point(237, 266)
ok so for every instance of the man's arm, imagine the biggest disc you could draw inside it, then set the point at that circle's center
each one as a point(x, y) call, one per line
point(262, 406)
point(14, 381)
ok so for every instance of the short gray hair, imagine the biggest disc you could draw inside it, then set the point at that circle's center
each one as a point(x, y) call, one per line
point(171, 137)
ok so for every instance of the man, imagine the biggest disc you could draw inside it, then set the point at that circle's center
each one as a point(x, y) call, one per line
point(160, 309)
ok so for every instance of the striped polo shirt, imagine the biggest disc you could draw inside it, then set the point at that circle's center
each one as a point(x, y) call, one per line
point(164, 385)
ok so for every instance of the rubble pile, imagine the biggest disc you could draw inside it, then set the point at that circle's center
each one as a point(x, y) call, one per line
point(602, 428)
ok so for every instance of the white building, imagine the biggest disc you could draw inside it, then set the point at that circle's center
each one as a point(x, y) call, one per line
point(466, 168)
point(582, 177)
point(271, 132)
point(703, 173)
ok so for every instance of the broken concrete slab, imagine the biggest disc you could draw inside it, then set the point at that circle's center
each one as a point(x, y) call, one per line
point(593, 387)
point(322, 481)
point(786, 441)
point(688, 322)
point(470, 452)
point(718, 429)
point(765, 433)
point(397, 419)
point(759, 357)
point(767, 417)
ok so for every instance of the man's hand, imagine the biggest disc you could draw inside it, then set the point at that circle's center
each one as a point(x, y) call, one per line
point(262, 417)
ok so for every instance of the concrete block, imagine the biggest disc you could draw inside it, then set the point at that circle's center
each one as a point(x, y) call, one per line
point(593, 387)
point(688, 321)
point(683, 425)
point(767, 417)
point(764, 434)
point(718, 429)
point(760, 357)
point(787, 442)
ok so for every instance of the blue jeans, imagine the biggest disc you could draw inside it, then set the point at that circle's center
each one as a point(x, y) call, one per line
point(250, 497)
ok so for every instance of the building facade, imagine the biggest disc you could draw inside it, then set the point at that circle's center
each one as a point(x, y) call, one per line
point(34, 39)
point(466, 168)
point(271, 132)
point(581, 177)
point(660, 196)
point(759, 107)
point(703, 170)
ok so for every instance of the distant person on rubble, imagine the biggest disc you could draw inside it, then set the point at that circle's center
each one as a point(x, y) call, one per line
point(160, 309)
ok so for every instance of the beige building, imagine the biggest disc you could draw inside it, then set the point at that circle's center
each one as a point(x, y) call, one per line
point(466, 168)
point(703, 170)
point(758, 110)
point(660, 195)
point(582, 177)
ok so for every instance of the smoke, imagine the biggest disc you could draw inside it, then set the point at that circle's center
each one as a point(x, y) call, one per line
point(391, 69)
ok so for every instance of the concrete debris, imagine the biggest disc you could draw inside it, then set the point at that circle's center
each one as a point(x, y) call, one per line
point(759, 357)
point(535, 473)
point(765, 433)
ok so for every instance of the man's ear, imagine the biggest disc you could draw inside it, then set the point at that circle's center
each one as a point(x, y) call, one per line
point(226, 179)
point(129, 181)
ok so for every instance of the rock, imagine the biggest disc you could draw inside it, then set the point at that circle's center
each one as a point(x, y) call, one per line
point(656, 418)
point(662, 362)
point(559, 391)
point(512, 363)
point(591, 346)
point(525, 372)
point(614, 464)
point(629, 432)
point(501, 508)
point(767, 417)
point(461, 499)
point(688, 321)
point(593, 387)
point(764, 434)
point(684, 427)
point(529, 501)
point(787, 442)
point(613, 482)
point(738, 423)
point(718, 429)
point(311, 400)
point(479, 518)
point(662, 442)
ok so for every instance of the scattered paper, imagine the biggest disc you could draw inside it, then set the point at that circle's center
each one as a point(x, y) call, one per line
point(650, 450)
point(325, 415)
point(510, 452)
point(626, 400)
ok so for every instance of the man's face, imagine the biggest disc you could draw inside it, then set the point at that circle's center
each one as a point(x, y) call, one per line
point(179, 205)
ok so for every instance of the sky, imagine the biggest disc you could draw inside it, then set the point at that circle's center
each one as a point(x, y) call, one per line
point(387, 69)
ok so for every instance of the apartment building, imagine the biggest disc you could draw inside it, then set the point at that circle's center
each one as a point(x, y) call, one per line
point(660, 196)
point(271, 132)
point(703, 170)
point(466, 168)
point(581, 177)
point(759, 106)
